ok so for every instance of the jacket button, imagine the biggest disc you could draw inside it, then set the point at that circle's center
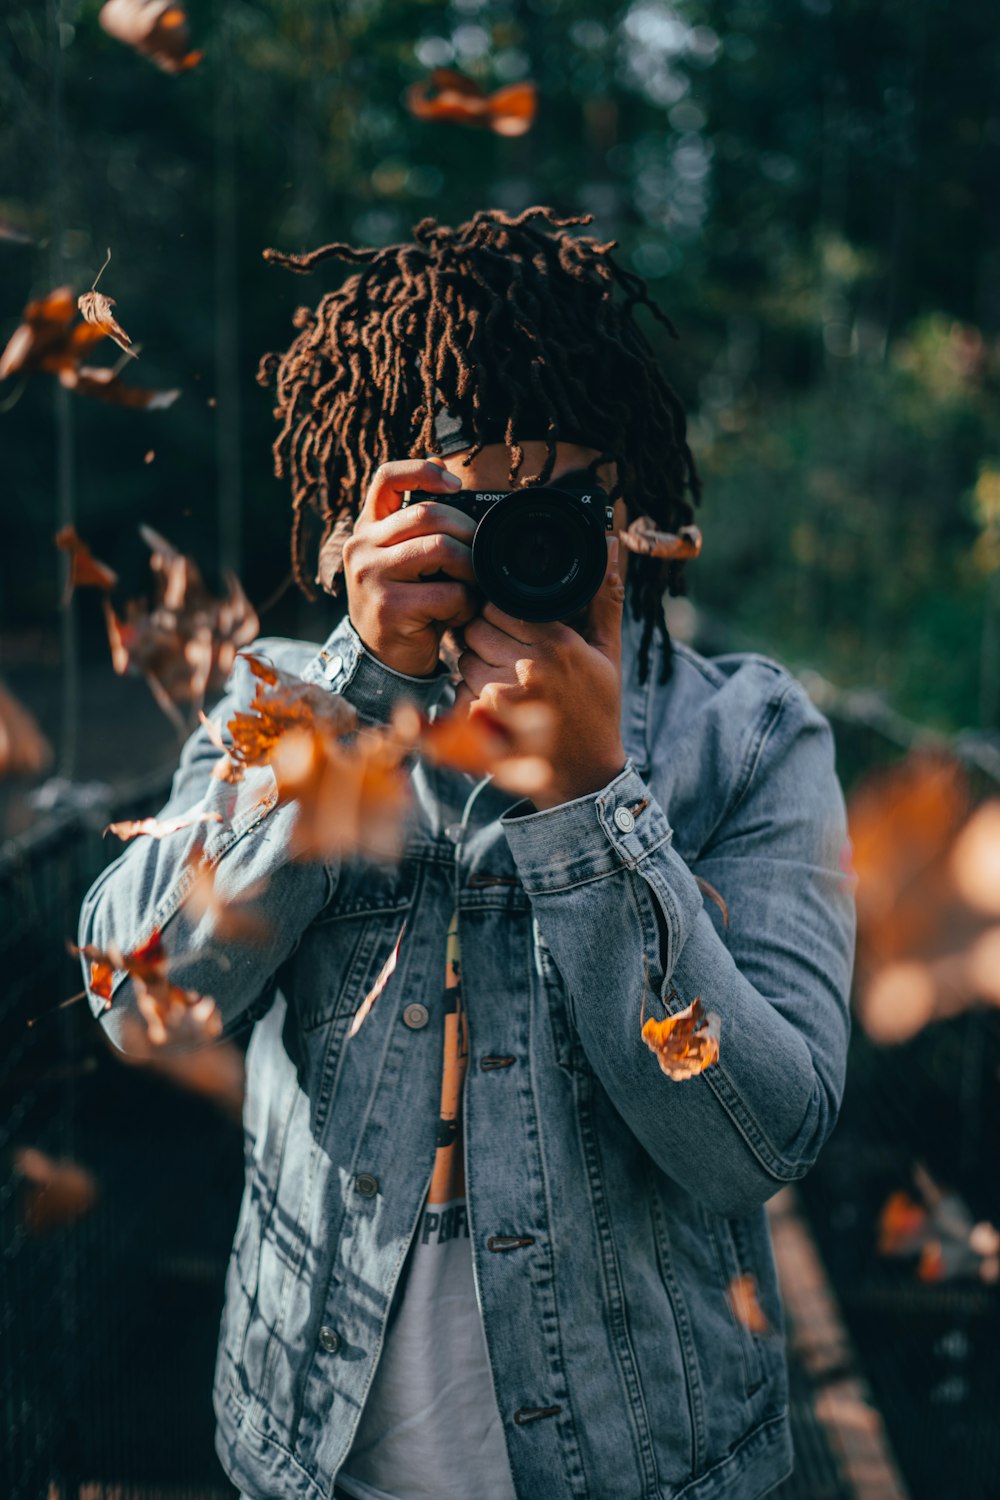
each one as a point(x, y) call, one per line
point(415, 1016)
point(624, 819)
point(332, 668)
point(366, 1184)
point(329, 1339)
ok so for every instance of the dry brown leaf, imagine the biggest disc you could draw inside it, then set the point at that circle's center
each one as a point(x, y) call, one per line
point(232, 921)
point(107, 385)
point(85, 570)
point(46, 339)
point(350, 796)
point(449, 95)
point(172, 1013)
point(644, 537)
point(54, 1193)
point(186, 642)
point(154, 828)
point(685, 1044)
point(96, 309)
point(216, 1072)
point(158, 29)
point(974, 861)
point(24, 750)
point(744, 1303)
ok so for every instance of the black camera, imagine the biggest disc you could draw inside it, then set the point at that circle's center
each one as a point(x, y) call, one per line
point(539, 553)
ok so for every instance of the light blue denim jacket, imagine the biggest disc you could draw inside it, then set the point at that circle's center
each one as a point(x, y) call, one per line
point(610, 1208)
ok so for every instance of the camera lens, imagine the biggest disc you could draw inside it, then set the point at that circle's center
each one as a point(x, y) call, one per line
point(539, 555)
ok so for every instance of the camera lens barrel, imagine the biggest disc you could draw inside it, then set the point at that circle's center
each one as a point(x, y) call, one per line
point(538, 553)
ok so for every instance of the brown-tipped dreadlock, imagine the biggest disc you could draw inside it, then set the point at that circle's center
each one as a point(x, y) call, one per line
point(495, 316)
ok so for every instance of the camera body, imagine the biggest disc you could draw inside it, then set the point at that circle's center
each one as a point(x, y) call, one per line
point(538, 553)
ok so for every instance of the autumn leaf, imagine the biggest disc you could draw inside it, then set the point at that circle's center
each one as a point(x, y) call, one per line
point(974, 859)
point(514, 749)
point(902, 1224)
point(24, 750)
point(85, 571)
point(46, 339)
point(96, 309)
point(106, 385)
point(449, 95)
point(644, 537)
point(215, 1072)
point(685, 1044)
point(231, 921)
point(157, 29)
point(172, 1014)
point(186, 641)
point(938, 1228)
point(54, 1193)
point(156, 829)
point(13, 235)
point(349, 796)
point(744, 1303)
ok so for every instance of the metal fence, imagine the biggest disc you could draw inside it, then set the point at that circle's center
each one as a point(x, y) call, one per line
point(108, 1313)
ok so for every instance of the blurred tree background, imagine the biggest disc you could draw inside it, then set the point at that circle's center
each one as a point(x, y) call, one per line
point(809, 186)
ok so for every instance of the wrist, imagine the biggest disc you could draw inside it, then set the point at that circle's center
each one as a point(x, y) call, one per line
point(585, 785)
point(407, 662)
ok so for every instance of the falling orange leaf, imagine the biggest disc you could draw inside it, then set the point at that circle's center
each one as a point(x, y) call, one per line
point(215, 1072)
point(645, 537)
point(231, 921)
point(450, 95)
point(974, 861)
point(745, 1303)
point(24, 750)
point(685, 1044)
point(513, 749)
point(172, 1014)
point(349, 796)
point(107, 385)
point(85, 570)
point(902, 1223)
point(46, 339)
point(158, 29)
point(55, 1193)
point(156, 829)
point(96, 309)
point(707, 889)
point(185, 643)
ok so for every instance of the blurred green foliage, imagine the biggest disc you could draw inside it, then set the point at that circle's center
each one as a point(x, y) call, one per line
point(808, 185)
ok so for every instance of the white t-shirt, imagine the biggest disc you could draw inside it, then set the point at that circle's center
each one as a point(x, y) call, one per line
point(430, 1428)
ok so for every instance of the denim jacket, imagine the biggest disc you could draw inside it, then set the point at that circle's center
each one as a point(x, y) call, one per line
point(610, 1207)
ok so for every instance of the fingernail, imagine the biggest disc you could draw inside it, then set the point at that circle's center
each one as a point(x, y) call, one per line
point(454, 481)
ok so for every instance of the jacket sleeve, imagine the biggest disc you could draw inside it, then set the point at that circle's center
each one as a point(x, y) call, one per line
point(778, 977)
point(248, 851)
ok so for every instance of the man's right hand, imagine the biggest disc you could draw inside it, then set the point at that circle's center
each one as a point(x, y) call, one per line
point(393, 554)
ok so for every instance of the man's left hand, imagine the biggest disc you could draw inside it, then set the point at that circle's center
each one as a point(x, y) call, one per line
point(574, 671)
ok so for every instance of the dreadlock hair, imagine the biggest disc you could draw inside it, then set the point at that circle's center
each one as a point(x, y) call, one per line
point(496, 316)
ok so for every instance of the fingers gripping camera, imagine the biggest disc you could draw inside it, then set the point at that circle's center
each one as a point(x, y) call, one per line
point(539, 553)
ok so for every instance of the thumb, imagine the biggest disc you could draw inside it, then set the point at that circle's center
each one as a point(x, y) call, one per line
point(604, 616)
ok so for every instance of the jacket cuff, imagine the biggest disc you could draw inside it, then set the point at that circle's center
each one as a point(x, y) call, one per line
point(346, 666)
point(587, 838)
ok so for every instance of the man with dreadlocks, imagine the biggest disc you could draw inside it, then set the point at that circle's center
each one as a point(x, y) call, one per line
point(499, 1240)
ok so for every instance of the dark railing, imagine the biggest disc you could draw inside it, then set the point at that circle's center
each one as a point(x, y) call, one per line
point(108, 1321)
